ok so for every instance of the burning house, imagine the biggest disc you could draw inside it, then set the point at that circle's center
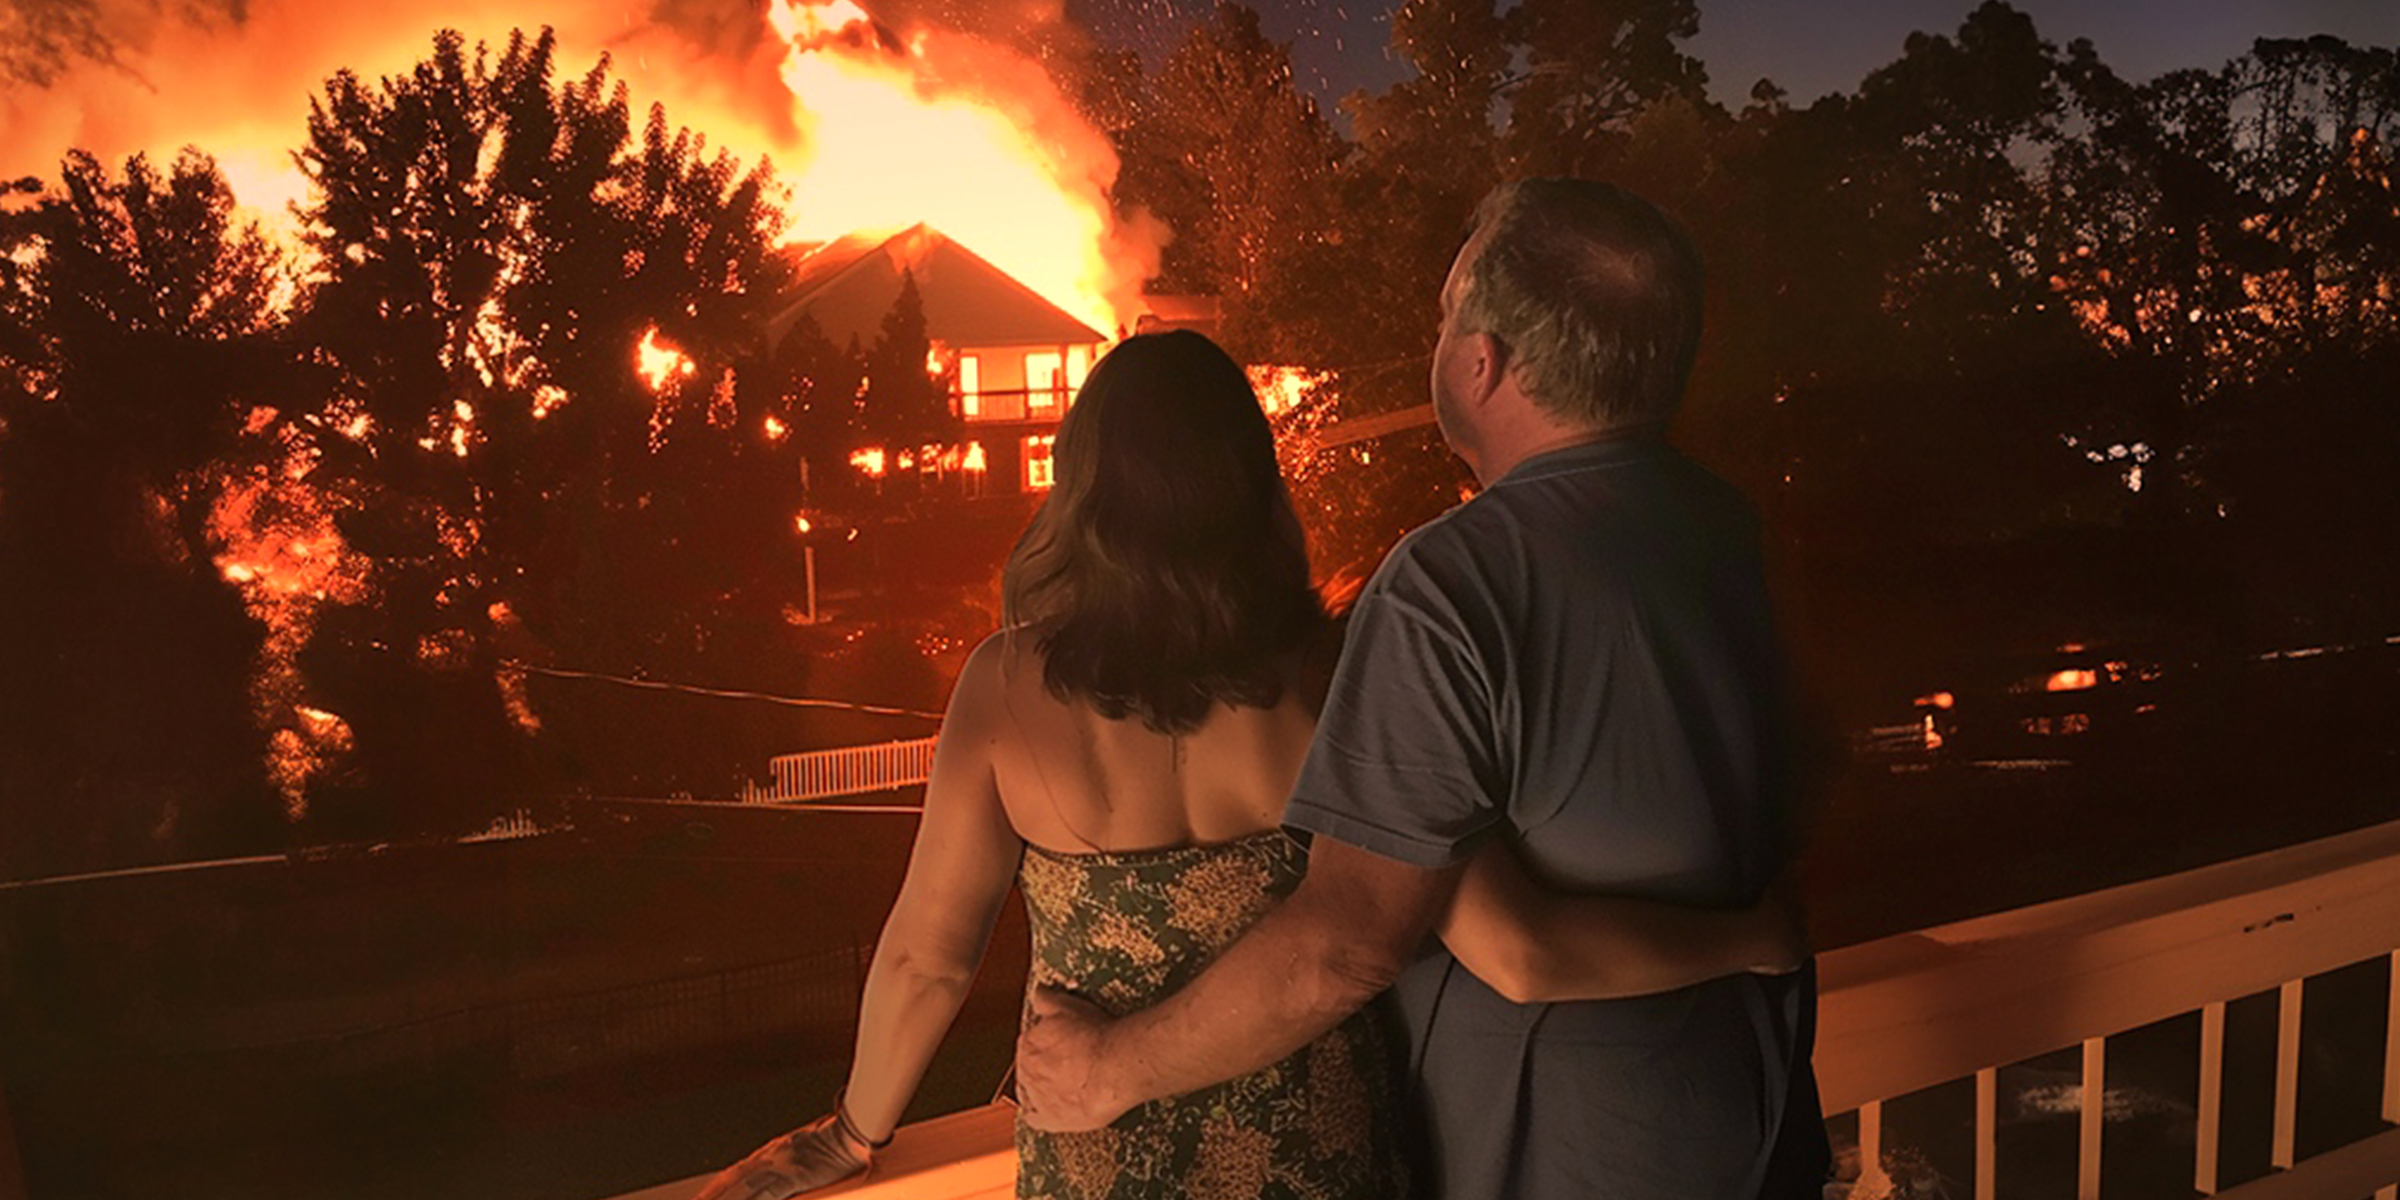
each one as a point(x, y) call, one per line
point(1014, 358)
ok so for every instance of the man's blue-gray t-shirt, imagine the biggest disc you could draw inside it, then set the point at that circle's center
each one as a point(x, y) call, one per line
point(1581, 659)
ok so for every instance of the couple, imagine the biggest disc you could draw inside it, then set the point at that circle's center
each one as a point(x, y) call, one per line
point(1569, 679)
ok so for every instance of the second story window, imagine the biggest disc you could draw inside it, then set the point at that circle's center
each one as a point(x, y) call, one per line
point(1045, 381)
point(1079, 365)
point(970, 386)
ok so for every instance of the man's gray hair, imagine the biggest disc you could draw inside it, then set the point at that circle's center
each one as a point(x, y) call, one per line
point(1595, 293)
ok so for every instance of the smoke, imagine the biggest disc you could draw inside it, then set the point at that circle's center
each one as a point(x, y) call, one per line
point(234, 78)
point(119, 77)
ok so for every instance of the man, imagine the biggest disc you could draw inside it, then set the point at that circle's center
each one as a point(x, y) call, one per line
point(1579, 659)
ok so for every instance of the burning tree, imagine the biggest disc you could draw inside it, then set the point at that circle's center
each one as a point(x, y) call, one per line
point(494, 247)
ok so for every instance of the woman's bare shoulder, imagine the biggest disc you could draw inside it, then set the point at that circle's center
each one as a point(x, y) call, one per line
point(1003, 657)
point(995, 674)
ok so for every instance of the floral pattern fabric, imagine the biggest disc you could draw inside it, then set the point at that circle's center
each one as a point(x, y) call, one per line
point(1124, 931)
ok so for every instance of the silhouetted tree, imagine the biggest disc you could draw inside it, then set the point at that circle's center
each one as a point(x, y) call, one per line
point(1590, 69)
point(1230, 152)
point(137, 325)
point(496, 247)
point(907, 405)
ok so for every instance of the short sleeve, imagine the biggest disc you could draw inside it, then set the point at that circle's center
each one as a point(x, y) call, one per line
point(1403, 764)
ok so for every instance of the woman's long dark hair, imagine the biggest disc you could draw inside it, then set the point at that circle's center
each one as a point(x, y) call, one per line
point(1165, 573)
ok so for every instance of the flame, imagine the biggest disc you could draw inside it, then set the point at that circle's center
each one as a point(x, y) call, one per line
point(659, 363)
point(282, 551)
point(777, 430)
point(872, 128)
point(894, 130)
point(869, 461)
point(2073, 679)
point(1282, 389)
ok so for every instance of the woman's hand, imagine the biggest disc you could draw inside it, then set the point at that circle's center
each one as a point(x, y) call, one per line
point(807, 1158)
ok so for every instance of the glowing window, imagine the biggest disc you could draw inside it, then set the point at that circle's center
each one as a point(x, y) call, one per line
point(1079, 365)
point(1037, 463)
point(970, 385)
point(1045, 379)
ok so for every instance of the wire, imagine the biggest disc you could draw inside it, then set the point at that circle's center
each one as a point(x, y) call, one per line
point(723, 693)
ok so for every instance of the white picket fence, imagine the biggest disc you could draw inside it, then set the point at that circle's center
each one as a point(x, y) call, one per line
point(844, 771)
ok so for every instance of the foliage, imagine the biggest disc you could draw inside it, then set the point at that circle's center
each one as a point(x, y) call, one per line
point(136, 322)
point(494, 246)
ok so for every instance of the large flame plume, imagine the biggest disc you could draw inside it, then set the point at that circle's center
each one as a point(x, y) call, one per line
point(871, 127)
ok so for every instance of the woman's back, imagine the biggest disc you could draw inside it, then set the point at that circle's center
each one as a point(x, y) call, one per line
point(1146, 854)
point(1075, 781)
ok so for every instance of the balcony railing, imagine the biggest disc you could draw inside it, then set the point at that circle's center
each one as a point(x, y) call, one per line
point(1959, 1001)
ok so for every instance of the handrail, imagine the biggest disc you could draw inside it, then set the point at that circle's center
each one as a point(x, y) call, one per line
point(1958, 1000)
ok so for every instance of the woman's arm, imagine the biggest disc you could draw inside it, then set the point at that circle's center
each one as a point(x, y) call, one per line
point(1533, 945)
point(959, 873)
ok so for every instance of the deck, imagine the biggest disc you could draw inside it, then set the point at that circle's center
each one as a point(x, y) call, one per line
point(1955, 1001)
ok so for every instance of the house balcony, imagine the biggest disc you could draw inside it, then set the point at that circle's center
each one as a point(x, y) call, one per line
point(1954, 1004)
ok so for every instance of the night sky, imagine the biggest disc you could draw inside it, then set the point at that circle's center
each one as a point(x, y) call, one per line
point(1812, 47)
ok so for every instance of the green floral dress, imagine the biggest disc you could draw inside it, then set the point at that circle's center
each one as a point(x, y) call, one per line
point(1123, 931)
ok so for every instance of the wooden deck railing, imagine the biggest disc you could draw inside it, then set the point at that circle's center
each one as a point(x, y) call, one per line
point(1961, 1000)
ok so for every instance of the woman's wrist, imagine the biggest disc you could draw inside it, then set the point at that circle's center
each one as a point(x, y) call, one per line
point(852, 1131)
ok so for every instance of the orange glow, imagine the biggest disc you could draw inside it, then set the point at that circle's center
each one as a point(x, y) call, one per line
point(517, 700)
point(1039, 476)
point(891, 130)
point(973, 459)
point(2074, 679)
point(1942, 700)
point(547, 399)
point(659, 363)
point(282, 551)
point(870, 127)
point(869, 461)
point(462, 427)
point(777, 430)
point(1282, 389)
point(801, 524)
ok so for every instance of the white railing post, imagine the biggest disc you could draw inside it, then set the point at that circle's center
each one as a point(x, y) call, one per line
point(2212, 1097)
point(2287, 1074)
point(2093, 1108)
point(1872, 1182)
point(1987, 1127)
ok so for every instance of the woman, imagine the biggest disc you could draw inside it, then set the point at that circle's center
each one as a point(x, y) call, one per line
point(1121, 752)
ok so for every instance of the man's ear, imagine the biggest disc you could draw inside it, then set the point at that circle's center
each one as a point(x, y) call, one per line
point(1488, 364)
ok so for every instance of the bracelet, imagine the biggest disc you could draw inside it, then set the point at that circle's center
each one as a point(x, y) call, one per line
point(849, 1128)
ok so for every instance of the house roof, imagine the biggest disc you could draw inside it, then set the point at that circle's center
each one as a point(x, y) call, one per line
point(849, 284)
